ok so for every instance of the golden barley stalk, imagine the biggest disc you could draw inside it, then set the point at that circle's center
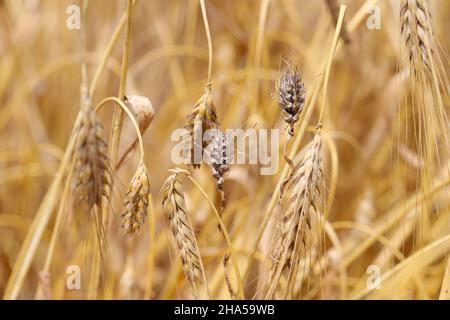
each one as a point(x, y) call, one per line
point(333, 7)
point(174, 207)
point(299, 203)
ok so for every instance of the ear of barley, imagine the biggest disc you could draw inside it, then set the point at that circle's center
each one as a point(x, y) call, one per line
point(202, 118)
point(221, 154)
point(298, 207)
point(416, 33)
point(291, 96)
point(174, 207)
point(136, 201)
point(91, 164)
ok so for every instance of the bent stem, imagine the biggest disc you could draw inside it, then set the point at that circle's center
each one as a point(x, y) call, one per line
point(225, 235)
point(105, 205)
point(123, 107)
point(285, 153)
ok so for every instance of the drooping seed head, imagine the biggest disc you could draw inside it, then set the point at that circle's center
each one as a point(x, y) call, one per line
point(202, 118)
point(91, 163)
point(174, 206)
point(136, 201)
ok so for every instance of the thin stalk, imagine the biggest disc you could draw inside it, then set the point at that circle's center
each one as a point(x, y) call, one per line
point(108, 51)
point(116, 130)
point(225, 235)
point(254, 87)
point(118, 115)
point(58, 224)
point(337, 32)
point(208, 36)
point(151, 253)
point(123, 107)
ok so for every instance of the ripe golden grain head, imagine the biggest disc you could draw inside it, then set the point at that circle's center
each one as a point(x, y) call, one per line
point(174, 207)
point(136, 201)
point(91, 163)
point(299, 203)
point(202, 118)
point(417, 34)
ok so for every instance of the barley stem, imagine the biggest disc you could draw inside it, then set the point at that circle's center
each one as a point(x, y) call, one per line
point(58, 223)
point(263, 12)
point(208, 36)
point(225, 235)
point(84, 79)
point(118, 115)
point(151, 251)
point(129, 114)
point(108, 51)
point(337, 32)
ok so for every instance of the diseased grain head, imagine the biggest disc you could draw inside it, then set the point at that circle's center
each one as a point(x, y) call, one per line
point(91, 163)
point(136, 201)
point(417, 34)
point(299, 204)
point(174, 207)
point(202, 118)
point(291, 96)
point(220, 154)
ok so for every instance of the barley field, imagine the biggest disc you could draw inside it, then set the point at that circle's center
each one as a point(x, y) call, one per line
point(335, 185)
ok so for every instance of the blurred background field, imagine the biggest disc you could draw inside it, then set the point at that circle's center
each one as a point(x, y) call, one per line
point(377, 214)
